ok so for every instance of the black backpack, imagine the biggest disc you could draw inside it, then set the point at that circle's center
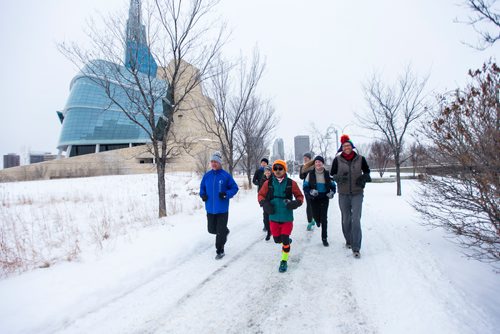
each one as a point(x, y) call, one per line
point(288, 189)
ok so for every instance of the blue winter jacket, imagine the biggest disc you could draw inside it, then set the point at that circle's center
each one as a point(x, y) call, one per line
point(214, 182)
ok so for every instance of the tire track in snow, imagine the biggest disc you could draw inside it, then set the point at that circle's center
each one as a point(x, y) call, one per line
point(151, 279)
point(161, 282)
point(269, 297)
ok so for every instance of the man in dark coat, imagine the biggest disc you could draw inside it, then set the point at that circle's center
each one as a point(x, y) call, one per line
point(257, 178)
point(351, 172)
point(259, 172)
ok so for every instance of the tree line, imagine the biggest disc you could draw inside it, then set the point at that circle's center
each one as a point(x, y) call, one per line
point(459, 128)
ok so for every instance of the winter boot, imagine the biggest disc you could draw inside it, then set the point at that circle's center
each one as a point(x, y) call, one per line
point(348, 246)
point(325, 242)
point(310, 225)
point(283, 266)
point(268, 236)
point(356, 254)
point(318, 224)
point(220, 255)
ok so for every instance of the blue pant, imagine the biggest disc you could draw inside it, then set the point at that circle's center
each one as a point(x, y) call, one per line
point(350, 208)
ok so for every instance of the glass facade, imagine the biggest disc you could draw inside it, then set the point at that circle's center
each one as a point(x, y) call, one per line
point(90, 117)
point(93, 119)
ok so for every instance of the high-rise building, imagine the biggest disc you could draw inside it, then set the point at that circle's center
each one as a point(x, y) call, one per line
point(302, 146)
point(11, 160)
point(278, 150)
point(91, 120)
point(41, 157)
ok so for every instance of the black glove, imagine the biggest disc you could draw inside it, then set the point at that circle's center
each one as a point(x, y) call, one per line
point(204, 198)
point(222, 195)
point(267, 206)
point(292, 205)
point(340, 178)
point(361, 181)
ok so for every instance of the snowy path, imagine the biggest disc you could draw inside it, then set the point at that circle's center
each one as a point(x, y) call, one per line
point(242, 292)
point(398, 286)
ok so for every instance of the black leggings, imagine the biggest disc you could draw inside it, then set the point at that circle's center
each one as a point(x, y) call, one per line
point(217, 224)
point(309, 210)
point(265, 219)
point(320, 213)
point(285, 240)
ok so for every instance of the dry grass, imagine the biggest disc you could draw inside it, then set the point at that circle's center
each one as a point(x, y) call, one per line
point(38, 230)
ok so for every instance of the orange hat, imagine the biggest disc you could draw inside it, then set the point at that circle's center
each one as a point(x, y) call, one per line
point(280, 162)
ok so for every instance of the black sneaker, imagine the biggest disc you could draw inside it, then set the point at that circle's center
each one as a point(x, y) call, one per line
point(356, 254)
point(325, 242)
point(220, 256)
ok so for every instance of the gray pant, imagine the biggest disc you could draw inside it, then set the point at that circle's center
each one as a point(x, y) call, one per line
point(350, 207)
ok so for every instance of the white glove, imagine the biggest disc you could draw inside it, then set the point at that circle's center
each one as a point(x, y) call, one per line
point(313, 192)
point(330, 194)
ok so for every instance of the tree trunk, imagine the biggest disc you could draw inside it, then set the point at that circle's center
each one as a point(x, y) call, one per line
point(162, 205)
point(160, 172)
point(398, 177)
point(249, 177)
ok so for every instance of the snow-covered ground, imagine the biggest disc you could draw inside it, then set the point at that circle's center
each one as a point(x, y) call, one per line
point(160, 276)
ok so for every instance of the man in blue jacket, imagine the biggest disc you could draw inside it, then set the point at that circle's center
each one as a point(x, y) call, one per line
point(216, 188)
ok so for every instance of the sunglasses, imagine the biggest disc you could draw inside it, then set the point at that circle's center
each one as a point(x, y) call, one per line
point(276, 168)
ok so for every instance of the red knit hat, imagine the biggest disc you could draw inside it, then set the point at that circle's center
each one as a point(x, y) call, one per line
point(343, 139)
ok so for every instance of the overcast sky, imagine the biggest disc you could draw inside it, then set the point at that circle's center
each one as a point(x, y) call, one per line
point(318, 55)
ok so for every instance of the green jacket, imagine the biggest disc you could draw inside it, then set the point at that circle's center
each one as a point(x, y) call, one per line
point(281, 213)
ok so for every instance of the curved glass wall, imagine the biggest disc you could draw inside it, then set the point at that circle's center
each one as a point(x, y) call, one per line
point(91, 118)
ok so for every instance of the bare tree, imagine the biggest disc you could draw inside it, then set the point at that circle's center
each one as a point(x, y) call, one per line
point(416, 155)
point(257, 123)
point(380, 156)
point(463, 195)
point(322, 141)
point(392, 110)
point(202, 161)
point(485, 21)
point(177, 39)
point(231, 95)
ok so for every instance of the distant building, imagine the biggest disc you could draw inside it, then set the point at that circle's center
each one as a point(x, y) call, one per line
point(11, 160)
point(278, 150)
point(302, 146)
point(41, 157)
point(91, 122)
